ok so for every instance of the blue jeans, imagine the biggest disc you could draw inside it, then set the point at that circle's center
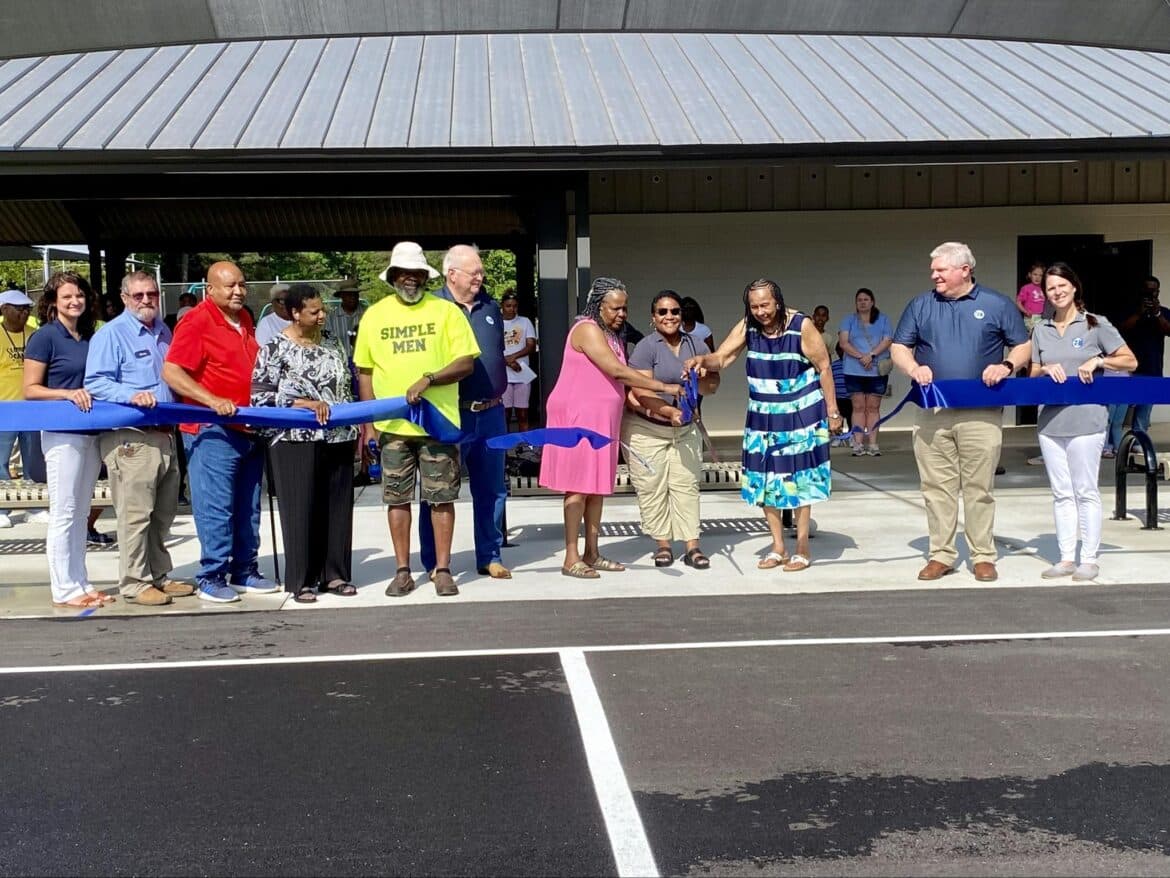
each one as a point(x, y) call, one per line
point(1117, 413)
point(225, 467)
point(27, 452)
point(1141, 417)
point(489, 490)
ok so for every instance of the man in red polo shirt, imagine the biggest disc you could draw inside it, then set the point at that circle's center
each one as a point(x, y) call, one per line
point(210, 363)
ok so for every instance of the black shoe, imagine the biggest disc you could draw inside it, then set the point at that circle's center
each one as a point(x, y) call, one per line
point(98, 540)
point(361, 480)
point(999, 470)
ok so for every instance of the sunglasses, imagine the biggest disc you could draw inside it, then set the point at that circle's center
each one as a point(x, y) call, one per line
point(662, 312)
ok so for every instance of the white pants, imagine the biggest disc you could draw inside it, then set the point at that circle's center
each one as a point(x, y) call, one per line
point(72, 463)
point(1073, 465)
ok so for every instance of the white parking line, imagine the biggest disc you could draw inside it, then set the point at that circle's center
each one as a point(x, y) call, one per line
point(627, 836)
point(614, 647)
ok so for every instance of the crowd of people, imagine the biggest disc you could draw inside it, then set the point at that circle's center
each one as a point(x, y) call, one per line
point(467, 355)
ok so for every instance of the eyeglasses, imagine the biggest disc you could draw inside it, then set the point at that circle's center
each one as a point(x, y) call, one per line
point(138, 297)
point(477, 273)
point(662, 312)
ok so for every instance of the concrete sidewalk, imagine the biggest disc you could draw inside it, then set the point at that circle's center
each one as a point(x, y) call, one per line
point(870, 536)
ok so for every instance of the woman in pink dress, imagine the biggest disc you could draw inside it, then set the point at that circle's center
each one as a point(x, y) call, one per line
point(590, 393)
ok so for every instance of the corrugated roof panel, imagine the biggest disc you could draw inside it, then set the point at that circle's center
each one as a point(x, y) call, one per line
point(390, 126)
point(546, 104)
point(923, 83)
point(28, 85)
point(626, 113)
point(237, 109)
point(735, 97)
point(14, 68)
point(874, 88)
point(838, 93)
point(701, 108)
point(471, 111)
point(91, 97)
point(509, 100)
point(431, 123)
point(197, 99)
point(1144, 107)
point(355, 105)
point(784, 117)
point(829, 123)
point(283, 97)
point(658, 99)
point(959, 71)
point(1097, 114)
point(100, 127)
point(166, 100)
point(314, 111)
point(52, 97)
point(1152, 68)
point(587, 111)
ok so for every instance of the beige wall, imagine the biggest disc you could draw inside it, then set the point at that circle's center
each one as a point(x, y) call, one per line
point(822, 257)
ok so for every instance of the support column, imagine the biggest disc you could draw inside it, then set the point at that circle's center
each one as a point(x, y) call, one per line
point(115, 268)
point(580, 210)
point(552, 288)
point(95, 266)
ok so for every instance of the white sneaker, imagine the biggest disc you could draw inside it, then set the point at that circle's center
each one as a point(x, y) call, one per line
point(1038, 460)
point(41, 516)
point(5, 521)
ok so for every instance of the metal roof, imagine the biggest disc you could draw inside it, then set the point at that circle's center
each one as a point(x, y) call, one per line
point(614, 92)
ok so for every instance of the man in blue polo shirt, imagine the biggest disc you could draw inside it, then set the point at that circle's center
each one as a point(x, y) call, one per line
point(481, 414)
point(124, 364)
point(959, 330)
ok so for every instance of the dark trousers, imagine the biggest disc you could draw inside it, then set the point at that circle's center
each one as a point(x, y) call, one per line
point(314, 492)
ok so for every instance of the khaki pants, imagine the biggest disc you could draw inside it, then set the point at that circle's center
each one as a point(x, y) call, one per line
point(668, 497)
point(144, 482)
point(957, 451)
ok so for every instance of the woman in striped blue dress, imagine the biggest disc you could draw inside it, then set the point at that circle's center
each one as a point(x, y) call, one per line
point(792, 407)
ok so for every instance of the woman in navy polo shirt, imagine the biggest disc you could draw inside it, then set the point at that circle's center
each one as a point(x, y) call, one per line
point(54, 368)
point(1074, 342)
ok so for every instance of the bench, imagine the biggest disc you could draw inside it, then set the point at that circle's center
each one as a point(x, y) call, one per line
point(35, 495)
point(715, 477)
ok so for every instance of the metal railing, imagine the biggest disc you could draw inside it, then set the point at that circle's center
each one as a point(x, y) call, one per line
point(1122, 468)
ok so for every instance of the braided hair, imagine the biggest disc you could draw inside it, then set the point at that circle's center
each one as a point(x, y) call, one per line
point(1064, 270)
point(602, 287)
point(763, 284)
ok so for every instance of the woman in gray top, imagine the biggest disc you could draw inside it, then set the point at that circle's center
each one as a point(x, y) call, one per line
point(666, 462)
point(1070, 342)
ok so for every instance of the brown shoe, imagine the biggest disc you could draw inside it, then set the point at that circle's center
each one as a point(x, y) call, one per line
point(150, 597)
point(445, 586)
point(934, 570)
point(176, 588)
point(985, 571)
point(401, 585)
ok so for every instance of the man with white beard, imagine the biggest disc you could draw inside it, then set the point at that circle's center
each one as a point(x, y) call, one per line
point(416, 345)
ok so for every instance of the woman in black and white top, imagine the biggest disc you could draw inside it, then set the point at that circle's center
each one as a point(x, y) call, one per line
point(313, 468)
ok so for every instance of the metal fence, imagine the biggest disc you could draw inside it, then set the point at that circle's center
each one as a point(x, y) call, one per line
point(258, 292)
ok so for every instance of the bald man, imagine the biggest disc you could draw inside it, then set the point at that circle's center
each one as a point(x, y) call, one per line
point(481, 413)
point(210, 364)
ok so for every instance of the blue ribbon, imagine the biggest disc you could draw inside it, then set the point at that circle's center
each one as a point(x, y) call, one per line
point(689, 402)
point(64, 416)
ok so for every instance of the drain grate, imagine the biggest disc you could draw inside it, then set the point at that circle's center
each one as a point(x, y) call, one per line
point(710, 526)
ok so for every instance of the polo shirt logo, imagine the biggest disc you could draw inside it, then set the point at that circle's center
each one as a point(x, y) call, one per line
point(491, 322)
point(979, 315)
point(142, 355)
point(1078, 342)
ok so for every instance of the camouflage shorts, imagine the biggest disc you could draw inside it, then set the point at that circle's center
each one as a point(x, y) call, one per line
point(437, 464)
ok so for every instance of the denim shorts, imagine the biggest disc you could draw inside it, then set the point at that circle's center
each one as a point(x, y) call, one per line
point(875, 384)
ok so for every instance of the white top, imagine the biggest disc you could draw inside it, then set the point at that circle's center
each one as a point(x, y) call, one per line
point(270, 327)
point(701, 332)
point(517, 331)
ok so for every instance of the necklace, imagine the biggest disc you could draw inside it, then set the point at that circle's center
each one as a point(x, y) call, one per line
point(18, 351)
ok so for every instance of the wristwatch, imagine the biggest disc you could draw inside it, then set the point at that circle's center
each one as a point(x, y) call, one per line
point(430, 376)
point(1011, 367)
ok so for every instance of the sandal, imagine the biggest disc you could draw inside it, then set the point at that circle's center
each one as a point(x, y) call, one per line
point(797, 563)
point(445, 586)
point(85, 602)
point(695, 558)
point(345, 589)
point(100, 596)
point(772, 560)
point(603, 563)
point(580, 570)
point(401, 585)
point(305, 596)
point(664, 557)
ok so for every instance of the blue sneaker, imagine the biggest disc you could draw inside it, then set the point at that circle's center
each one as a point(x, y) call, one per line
point(254, 583)
point(216, 591)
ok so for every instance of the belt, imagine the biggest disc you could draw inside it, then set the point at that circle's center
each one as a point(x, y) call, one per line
point(479, 405)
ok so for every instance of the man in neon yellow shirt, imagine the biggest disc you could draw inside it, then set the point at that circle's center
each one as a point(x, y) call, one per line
point(416, 345)
point(16, 326)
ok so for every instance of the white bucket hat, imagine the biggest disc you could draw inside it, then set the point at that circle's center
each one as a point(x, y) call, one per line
point(15, 297)
point(410, 256)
